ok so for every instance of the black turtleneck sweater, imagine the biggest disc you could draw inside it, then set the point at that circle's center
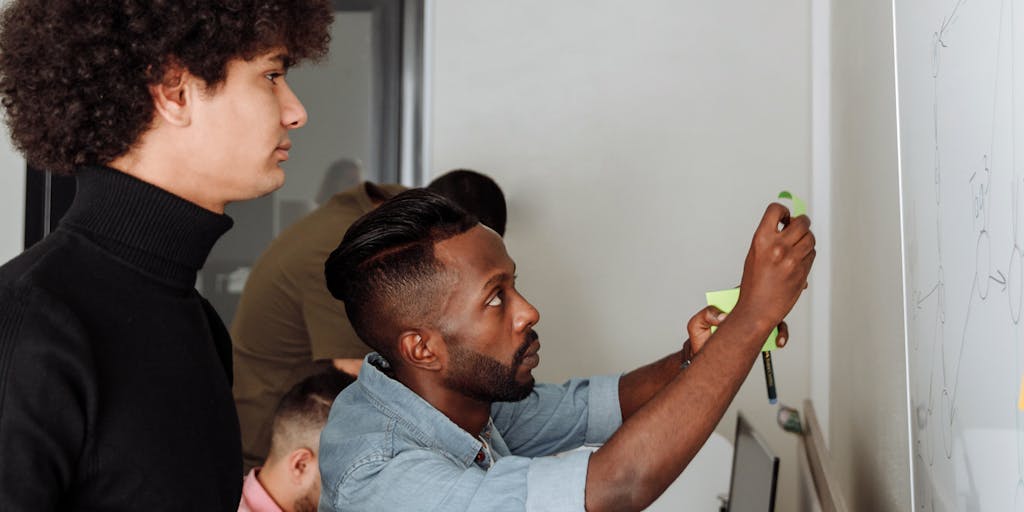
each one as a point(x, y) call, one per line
point(114, 372)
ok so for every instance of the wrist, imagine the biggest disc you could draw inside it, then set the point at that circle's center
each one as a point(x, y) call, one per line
point(753, 322)
point(686, 355)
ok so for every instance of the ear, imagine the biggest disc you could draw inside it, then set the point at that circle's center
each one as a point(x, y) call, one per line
point(422, 349)
point(301, 463)
point(173, 96)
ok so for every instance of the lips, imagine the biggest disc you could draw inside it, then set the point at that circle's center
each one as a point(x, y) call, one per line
point(282, 150)
point(531, 358)
point(534, 348)
point(531, 362)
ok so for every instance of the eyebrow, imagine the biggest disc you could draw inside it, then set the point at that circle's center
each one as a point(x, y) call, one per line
point(497, 278)
point(281, 58)
point(493, 281)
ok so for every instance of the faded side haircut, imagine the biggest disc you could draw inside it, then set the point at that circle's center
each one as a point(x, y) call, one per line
point(302, 412)
point(385, 270)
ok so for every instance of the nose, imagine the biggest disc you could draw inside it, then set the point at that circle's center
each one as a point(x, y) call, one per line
point(527, 316)
point(293, 114)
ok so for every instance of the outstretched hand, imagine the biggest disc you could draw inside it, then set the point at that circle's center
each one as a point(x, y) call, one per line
point(775, 271)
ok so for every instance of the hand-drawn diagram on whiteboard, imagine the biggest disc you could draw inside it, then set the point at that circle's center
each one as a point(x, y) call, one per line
point(960, 70)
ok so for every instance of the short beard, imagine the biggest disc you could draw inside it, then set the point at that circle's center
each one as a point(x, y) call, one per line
point(484, 378)
point(305, 504)
point(309, 501)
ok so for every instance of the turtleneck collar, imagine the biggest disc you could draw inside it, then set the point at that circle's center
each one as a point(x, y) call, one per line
point(146, 226)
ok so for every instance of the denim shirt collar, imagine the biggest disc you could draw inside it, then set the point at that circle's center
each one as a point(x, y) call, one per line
point(422, 420)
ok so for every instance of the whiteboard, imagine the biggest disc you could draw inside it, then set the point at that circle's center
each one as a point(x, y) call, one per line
point(960, 75)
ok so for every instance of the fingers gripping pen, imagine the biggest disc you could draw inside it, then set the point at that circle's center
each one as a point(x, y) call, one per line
point(725, 300)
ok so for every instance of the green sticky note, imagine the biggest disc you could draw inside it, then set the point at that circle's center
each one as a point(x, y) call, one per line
point(799, 207)
point(726, 300)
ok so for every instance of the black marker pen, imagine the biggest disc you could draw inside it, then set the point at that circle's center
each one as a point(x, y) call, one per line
point(769, 376)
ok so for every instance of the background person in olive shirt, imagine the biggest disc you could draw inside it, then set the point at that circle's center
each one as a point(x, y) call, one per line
point(288, 326)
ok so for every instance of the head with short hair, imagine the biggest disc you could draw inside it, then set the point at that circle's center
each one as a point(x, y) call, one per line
point(300, 416)
point(476, 193)
point(343, 174)
point(302, 412)
point(75, 75)
point(385, 270)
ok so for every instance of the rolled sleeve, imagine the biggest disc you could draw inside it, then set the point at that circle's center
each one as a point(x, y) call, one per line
point(557, 483)
point(604, 414)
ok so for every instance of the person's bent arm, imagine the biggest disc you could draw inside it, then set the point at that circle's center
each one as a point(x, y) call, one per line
point(331, 336)
point(641, 384)
point(657, 442)
point(349, 366)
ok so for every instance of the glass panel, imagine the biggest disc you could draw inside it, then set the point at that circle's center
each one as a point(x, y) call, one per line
point(337, 148)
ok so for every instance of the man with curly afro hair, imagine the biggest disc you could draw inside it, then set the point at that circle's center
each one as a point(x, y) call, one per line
point(115, 374)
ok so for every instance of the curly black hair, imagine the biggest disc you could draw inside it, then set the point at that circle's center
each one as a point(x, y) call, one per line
point(74, 74)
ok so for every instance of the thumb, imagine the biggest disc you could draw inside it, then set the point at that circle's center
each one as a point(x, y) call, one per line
point(713, 316)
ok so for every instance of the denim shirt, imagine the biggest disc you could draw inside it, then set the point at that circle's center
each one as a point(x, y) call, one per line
point(386, 449)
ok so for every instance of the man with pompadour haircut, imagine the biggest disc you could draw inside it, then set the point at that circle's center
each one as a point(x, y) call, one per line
point(446, 415)
point(288, 325)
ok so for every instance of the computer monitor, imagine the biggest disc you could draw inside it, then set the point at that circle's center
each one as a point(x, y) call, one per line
point(755, 471)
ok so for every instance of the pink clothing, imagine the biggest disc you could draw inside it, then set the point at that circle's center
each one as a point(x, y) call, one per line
point(255, 497)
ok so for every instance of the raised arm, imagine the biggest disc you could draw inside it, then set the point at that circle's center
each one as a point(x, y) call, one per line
point(661, 437)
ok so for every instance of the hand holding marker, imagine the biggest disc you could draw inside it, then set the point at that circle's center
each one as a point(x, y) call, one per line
point(725, 300)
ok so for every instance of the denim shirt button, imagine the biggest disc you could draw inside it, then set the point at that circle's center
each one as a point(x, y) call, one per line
point(480, 456)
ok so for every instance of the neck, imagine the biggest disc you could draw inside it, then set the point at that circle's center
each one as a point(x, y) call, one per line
point(273, 477)
point(163, 167)
point(144, 225)
point(469, 414)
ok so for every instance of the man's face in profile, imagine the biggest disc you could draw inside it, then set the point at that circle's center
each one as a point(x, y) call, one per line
point(242, 127)
point(487, 325)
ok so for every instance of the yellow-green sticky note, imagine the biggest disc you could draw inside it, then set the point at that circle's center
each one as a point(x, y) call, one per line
point(799, 207)
point(726, 300)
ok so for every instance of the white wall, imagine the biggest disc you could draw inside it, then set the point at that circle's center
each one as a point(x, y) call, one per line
point(638, 143)
point(869, 441)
